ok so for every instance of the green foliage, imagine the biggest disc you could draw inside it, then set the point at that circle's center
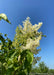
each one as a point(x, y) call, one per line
point(9, 58)
point(16, 56)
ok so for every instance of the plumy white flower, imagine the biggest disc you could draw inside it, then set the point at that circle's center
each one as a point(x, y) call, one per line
point(39, 25)
point(20, 26)
point(36, 27)
point(31, 44)
point(28, 27)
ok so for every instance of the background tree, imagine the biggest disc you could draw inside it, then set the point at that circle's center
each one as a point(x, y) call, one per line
point(51, 71)
point(42, 68)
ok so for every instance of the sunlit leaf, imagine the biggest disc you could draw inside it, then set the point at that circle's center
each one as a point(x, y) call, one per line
point(4, 17)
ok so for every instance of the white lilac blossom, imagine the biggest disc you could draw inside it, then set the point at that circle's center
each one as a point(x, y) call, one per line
point(29, 28)
point(32, 44)
point(28, 36)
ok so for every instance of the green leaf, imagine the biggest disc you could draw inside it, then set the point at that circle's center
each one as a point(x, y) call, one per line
point(29, 57)
point(10, 66)
point(16, 68)
point(4, 17)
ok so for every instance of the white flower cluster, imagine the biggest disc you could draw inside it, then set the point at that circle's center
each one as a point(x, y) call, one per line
point(32, 44)
point(29, 28)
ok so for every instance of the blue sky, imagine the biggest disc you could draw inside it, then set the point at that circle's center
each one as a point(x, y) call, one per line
point(38, 11)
